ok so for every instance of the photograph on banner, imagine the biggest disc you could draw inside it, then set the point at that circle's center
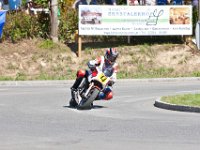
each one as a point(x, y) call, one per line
point(133, 2)
point(91, 16)
point(180, 16)
point(142, 20)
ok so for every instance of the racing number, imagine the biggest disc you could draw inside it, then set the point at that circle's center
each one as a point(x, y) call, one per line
point(103, 78)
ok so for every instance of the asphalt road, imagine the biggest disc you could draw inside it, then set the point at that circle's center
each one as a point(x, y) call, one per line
point(37, 117)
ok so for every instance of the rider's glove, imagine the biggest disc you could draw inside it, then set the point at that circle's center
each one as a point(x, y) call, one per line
point(110, 83)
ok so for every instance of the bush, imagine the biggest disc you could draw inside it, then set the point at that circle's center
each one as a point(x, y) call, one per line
point(20, 25)
point(68, 23)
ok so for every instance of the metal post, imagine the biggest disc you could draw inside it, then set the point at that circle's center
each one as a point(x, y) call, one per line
point(79, 46)
point(197, 30)
point(198, 10)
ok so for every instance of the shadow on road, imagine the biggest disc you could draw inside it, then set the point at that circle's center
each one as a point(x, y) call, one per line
point(94, 107)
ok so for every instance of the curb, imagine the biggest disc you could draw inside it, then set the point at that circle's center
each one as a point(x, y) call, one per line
point(36, 83)
point(160, 104)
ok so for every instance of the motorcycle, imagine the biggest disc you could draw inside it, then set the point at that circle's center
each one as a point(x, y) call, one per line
point(90, 87)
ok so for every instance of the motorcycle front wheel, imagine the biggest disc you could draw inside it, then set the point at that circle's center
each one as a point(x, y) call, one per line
point(87, 103)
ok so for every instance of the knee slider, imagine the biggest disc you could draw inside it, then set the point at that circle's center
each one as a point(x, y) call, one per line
point(109, 96)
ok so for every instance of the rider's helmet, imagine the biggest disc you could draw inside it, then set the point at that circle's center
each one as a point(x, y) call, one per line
point(111, 55)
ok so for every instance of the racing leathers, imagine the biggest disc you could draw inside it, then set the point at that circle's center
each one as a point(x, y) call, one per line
point(101, 63)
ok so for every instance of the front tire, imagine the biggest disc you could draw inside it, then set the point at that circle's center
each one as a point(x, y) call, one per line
point(87, 103)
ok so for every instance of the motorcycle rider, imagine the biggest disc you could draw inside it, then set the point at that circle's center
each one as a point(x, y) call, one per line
point(108, 61)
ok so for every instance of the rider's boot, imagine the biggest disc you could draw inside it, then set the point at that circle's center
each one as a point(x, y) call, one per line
point(74, 87)
point(72, 102)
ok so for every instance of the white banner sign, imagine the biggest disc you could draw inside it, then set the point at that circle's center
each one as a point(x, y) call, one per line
point(135, 20)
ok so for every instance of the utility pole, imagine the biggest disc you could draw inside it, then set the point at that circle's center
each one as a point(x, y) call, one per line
point(198, 10)
point(54, 20)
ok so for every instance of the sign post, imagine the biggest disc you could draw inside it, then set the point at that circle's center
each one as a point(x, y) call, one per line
point(79, 46)
point(197, 30)
point(199, 10)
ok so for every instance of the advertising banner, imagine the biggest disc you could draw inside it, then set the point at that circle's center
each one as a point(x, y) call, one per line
point(135, 20)
point(2, 20)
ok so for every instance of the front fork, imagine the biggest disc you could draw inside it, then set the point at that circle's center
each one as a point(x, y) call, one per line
point(88, 90)
point(77, 93)
point(77, 96)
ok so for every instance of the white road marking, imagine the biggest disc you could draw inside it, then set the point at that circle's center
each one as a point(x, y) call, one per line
point(192, 92)
point(3, 89)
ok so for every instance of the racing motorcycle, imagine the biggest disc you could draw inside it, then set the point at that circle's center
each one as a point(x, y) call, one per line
point(90, 87)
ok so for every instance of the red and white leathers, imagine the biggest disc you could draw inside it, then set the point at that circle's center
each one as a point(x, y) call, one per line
point(101, 63)
point(108, 62)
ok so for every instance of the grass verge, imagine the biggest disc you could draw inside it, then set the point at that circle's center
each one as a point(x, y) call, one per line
point(185, 99)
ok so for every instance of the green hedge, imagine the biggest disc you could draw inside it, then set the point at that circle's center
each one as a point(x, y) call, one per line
point(68, 23)
point(20, 25)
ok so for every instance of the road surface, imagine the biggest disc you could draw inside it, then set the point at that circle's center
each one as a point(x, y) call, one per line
point(37, 117)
